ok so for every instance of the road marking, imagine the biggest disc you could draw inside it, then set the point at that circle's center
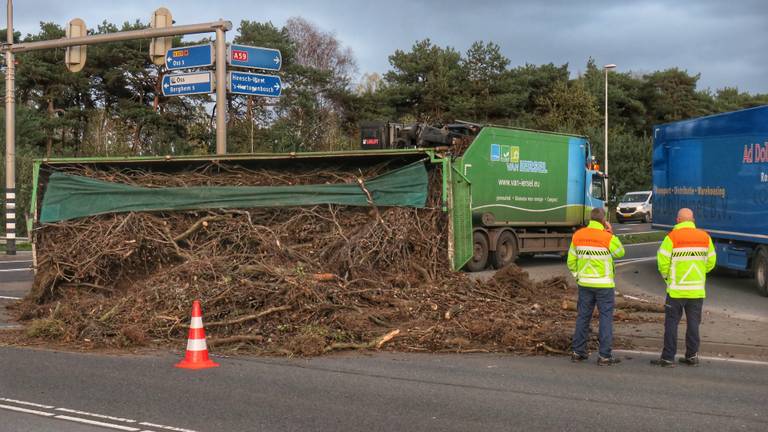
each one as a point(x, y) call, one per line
point(26, 403)
point(14, 261)
point(97, 423)
point(105, 417)
point(642, 244)
point(721, 359)
point(16, 270)
point(26, 410)
point(634, 260)
point(10, 298)
point(171, 428)
point(643, 232)
point(85, 420)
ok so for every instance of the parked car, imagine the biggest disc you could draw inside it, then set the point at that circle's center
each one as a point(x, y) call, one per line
point(635, 206)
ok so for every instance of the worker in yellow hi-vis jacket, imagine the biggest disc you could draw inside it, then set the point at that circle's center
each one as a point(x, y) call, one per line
point(685, 257)
point(590, 260)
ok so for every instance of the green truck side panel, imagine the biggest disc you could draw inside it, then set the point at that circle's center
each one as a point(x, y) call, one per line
point(461, 218)
point(521, 176)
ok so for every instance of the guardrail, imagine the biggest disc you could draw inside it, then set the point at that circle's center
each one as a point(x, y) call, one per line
point(18, 240)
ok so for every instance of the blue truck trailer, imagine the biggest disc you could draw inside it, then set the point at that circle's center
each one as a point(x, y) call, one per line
point(718, 167)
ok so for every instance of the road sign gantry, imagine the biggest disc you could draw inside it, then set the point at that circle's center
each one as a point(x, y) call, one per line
point(255, 57)
point(189, 57)
point(253, 84)
point(188, 84)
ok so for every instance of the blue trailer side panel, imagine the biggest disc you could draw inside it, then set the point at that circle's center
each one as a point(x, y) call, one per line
point(717, 166)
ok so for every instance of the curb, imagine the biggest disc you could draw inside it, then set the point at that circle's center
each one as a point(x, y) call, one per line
point(718, 349)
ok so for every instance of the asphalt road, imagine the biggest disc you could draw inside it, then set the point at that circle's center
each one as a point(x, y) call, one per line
point(15, 268)
point(726, 292)
point(631, 227)
point(382, 392)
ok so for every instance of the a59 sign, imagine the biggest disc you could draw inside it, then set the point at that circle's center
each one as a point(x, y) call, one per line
point(239, 55)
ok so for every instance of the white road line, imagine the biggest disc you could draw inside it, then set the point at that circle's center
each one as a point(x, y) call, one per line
point(634, 260)
point(10, 298)
point(15, 261)
point(26, 403)
point(642, 244)
point(642, 232)
point(84, 420)
point(720, 359)
point(102, 416)
point(171, 428)
point(26, 410)
point(97, 423)
point(16, 270)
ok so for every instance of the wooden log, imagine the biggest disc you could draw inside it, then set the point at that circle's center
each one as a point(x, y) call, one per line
point(247, 318)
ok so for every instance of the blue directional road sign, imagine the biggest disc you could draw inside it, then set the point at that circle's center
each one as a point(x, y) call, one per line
point(252, 84)
point(255, 57)
point(188, 84)
point(189, 57)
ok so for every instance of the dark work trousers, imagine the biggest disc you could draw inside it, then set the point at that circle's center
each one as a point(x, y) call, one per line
point(588, 298)
point(673, 311)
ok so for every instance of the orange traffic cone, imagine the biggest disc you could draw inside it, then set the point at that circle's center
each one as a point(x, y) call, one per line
point(197, 350)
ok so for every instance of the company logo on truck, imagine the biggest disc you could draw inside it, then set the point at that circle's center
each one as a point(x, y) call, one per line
point(505, 153)
point(511, 156)
point(755, 153)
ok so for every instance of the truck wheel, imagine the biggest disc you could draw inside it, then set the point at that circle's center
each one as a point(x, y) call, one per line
point(506, 250)
point(479, 260)
point(761, 271)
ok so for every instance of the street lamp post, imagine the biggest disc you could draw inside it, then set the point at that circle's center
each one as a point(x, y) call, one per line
point(606, 68)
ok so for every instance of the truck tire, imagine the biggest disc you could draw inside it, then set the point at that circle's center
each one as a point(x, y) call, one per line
point(506, 250)
point(761, 271)
point(479, 260)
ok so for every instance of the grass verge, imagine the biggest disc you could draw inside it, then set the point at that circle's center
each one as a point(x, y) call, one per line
point(19, 247)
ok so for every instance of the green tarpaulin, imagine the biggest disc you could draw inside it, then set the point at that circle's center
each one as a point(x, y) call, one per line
point(70, 196)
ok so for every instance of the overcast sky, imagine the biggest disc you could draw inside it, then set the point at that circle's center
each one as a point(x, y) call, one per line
point(724, 40)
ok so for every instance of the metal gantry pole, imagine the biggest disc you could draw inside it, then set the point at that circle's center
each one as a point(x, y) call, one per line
point(221, 92)
point(123, 36)
point(605, 169)
point(220, 27)
point(10, 142)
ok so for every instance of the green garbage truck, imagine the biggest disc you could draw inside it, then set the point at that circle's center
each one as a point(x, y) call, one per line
point(505, 191)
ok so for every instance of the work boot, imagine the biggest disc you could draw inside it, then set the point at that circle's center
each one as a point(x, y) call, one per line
point(690, 361)
point(607, 361)
point(663, 363)
point(576, 357)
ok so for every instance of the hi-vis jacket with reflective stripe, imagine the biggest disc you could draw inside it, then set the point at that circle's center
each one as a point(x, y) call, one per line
point(590, 257)
point(685, 257)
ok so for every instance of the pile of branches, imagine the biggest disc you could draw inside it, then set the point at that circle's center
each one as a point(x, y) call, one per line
point(298, 281)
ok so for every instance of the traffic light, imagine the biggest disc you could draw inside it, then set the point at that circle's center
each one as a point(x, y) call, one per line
point(159, 46)
point(75, 56)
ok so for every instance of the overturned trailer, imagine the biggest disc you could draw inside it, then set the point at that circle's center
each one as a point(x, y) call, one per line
point(505, 191)
point(309, 252)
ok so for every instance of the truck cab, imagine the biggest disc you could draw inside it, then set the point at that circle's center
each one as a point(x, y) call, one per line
point(635, 206)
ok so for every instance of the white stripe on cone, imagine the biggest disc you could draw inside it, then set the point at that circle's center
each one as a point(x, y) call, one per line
point(196, 345)
point(197, 322)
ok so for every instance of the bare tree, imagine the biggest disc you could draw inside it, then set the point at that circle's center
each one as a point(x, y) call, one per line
point(320, 50)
